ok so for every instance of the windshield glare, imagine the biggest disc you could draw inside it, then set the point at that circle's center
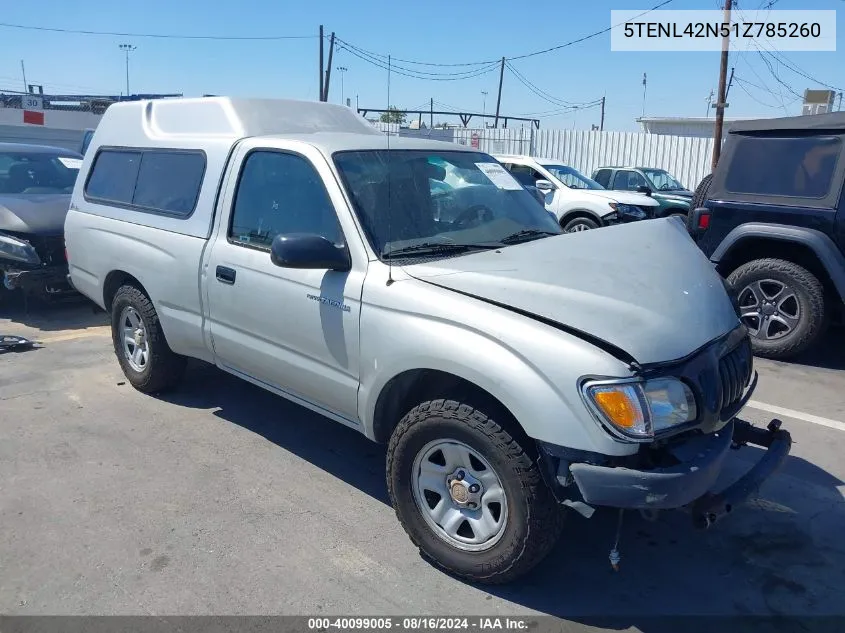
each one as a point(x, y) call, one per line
point(572, 178)
point(662, 180)
point(23, 172)
point(407, 198)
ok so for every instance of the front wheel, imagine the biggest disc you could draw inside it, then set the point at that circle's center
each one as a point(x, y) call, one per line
point(781, 304)
point(576, 225)
point(468, 493)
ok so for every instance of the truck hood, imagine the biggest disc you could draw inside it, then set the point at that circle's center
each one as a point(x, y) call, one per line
point(36, 214)
point(622, 197)
point(644, 287)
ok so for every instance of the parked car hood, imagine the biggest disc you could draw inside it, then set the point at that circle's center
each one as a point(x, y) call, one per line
point(38, 214)
point(643, 287)
point(622, 197)
point(680, 195)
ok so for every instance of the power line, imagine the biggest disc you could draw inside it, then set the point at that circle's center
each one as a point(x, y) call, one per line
point(383, 58)
point(567, 110)
point(172, 36)
point(373, 59)
point(418, 63)
point(542, 93)
point(590, 36)
point(404, 71)
point(785, 61)
point(741, 83)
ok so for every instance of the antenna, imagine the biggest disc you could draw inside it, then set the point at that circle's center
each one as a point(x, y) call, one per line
point(389, 196)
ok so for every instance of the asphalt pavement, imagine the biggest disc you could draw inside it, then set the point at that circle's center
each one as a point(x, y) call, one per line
point(221, 498)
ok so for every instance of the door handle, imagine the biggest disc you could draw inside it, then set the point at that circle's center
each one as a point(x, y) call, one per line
point(226, 275)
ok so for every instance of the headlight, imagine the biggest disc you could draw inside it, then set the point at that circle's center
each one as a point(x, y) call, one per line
point(640, 409)
point(628, 211)
point(18, 250)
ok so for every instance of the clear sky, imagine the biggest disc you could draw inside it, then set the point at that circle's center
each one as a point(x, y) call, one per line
point(433, 31)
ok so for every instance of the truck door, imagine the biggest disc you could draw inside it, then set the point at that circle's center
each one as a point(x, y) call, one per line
point(295, 331)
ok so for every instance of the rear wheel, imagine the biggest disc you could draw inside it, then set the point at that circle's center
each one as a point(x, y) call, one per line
point(781, 304)
point(469, 494)
point(576, 225)
point(142, 351)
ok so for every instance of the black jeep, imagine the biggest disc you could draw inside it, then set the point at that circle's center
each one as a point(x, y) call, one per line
point(772, 219)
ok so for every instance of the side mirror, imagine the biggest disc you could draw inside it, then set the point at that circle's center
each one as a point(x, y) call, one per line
point(644, 189)
point(543, 185)
point(308, 250)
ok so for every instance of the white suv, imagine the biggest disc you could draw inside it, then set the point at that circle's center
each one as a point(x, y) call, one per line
point(579, 203)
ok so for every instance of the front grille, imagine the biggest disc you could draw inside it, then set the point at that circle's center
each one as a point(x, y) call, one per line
point(50, 248)
point(735, 369)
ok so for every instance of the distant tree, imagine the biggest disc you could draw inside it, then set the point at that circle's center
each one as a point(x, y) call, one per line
point(393, 115)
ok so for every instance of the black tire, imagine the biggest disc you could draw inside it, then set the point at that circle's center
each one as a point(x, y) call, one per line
point(533, 521)
point(700, 196)
point(587, 223)
point(164, 368)
point(808, 301)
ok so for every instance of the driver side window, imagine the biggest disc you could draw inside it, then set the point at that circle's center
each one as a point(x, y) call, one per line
point(627, 180)
point(280, 193)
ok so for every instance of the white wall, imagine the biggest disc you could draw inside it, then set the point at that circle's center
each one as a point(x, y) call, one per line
point(688, 159)
point(61, 128)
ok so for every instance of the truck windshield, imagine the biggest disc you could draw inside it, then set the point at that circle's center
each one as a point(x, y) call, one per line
point(662, 180)
point(427, 204)
point(572, 178)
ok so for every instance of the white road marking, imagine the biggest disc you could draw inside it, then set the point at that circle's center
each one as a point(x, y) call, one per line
point(797, 415)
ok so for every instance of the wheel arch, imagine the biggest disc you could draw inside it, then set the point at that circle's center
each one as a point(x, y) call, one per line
point(580, 212)
point(809, 248)
point(114, 280)
point(410, 387)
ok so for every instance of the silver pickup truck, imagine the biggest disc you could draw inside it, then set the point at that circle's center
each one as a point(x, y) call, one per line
point(416, 292)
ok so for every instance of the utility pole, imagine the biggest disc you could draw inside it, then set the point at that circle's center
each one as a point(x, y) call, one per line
point(601, 125)
point(328, 69)
point(26, 85)
point(127, 48)
point(721, 103)
point(431, 115)
point(645, 85)
point(499, 98)
point(320, 96)
point(342, 70)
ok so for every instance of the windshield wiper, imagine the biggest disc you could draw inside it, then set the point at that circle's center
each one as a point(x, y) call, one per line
point(526, 235)
point(434, 248)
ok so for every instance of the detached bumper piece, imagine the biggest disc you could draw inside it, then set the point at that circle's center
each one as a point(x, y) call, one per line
point(688, 482)
point(48, 282)
point(710, 507)
point(9, 342)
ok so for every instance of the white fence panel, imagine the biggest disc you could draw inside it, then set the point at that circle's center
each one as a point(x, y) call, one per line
point(686, 158)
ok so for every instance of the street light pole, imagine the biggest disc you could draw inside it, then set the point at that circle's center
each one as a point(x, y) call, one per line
point(342, 70)
point(484, 105)
point(127, 48)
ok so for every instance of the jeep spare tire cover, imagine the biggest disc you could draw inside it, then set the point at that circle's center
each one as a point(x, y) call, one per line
point(699, 198)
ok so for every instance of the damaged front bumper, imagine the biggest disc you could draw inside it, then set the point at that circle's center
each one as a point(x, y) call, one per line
point(684, 479)
point(46, 281)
